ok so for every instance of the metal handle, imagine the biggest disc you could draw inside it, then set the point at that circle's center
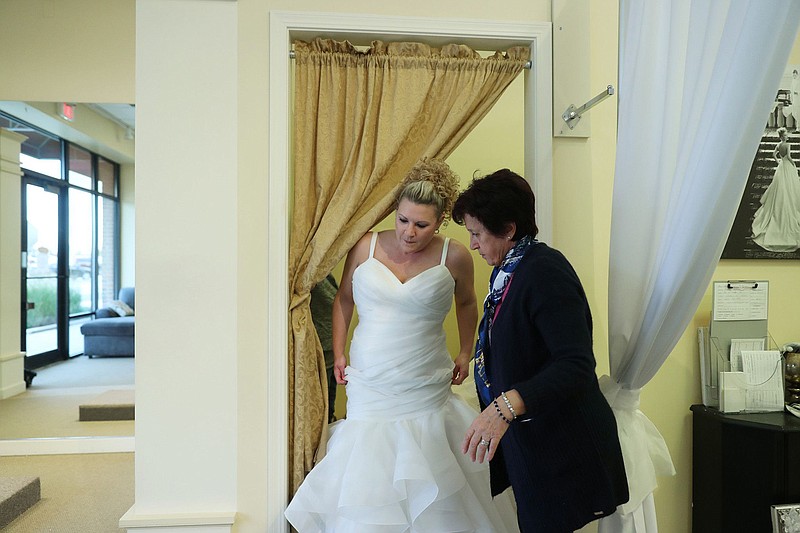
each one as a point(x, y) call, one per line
point(573, 114)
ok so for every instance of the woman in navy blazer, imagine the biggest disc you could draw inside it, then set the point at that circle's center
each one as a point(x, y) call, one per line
point(545, 427)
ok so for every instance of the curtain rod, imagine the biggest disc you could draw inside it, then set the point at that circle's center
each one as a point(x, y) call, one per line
point(528, 65)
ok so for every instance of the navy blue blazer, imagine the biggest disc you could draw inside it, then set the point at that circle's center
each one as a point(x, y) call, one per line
point(563, 456)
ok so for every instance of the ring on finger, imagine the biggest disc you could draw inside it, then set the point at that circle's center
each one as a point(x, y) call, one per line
point(483, 442)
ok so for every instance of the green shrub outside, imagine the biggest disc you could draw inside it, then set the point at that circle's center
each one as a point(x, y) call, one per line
point(43, 293)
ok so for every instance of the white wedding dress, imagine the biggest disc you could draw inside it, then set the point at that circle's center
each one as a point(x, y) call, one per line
point(776, 223)
point(395, 463)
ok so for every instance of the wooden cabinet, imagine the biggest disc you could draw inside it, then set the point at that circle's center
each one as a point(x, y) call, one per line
point(741, 465)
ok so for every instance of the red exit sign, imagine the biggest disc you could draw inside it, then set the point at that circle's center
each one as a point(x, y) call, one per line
point(66, 111)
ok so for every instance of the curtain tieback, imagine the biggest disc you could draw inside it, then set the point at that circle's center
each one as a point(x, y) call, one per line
point(643, 448)
point(618, 397)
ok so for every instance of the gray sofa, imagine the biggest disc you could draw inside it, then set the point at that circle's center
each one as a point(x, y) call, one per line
point(110, 333)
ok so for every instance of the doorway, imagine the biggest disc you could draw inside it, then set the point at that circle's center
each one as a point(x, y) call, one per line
point(44, 280)
point(57, 269)
point(286, 26)
point(69, 255)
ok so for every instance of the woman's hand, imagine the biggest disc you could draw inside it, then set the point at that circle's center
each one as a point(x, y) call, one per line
point(339, 364)
point(483, 436)
point(460, 369)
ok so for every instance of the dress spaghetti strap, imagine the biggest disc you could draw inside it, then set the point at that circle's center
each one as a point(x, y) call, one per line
point(372, 244)
point(444, 250)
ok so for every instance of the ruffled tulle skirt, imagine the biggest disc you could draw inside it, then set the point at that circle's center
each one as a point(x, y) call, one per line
point(401, 475)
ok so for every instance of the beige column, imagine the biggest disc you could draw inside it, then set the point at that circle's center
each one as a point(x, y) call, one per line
point(187, 259)
point(12, 360)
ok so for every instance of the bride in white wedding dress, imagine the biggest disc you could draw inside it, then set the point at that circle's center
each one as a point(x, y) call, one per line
point(395, 463)
point(776, 224)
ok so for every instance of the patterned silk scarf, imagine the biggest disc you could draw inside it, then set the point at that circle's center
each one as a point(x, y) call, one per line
point(498, 282)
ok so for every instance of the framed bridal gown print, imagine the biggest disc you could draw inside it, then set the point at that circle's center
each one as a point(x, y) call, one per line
point(785, 518)
point(767, 223)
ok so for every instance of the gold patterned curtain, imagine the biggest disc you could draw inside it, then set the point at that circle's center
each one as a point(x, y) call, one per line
point(362, 119)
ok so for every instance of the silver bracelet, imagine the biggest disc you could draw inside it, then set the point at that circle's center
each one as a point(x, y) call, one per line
point(508, 404)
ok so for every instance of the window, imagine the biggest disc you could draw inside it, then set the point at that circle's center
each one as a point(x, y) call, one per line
point(81, 215)
point(80, 167)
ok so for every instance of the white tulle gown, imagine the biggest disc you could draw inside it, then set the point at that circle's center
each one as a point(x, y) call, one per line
point(395, 464)
point(776, 224)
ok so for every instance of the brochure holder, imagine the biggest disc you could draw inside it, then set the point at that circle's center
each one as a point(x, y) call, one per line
point(738, 319)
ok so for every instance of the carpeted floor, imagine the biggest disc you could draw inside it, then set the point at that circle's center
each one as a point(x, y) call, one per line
point(51, 406)
point(80, 493)
point(82, 371)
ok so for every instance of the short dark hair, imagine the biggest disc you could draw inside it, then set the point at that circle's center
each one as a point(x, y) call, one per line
point(497, 200)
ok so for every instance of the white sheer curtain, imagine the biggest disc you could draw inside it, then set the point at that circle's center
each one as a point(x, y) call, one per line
point(697, 79)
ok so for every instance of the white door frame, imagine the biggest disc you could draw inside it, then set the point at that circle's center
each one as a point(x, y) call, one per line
point(286, 26)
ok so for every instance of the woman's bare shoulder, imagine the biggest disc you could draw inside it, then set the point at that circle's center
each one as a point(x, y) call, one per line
point(360, 250)
point(457, 254)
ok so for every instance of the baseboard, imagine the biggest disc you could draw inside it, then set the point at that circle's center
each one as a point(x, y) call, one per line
point(200, 522)
point(12, 372)
point(12, 356)
point(12, 390)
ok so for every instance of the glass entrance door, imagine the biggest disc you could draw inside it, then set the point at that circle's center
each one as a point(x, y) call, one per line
point(44, 272)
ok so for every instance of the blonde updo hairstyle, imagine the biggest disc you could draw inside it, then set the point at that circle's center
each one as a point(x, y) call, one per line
point(430, 182)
